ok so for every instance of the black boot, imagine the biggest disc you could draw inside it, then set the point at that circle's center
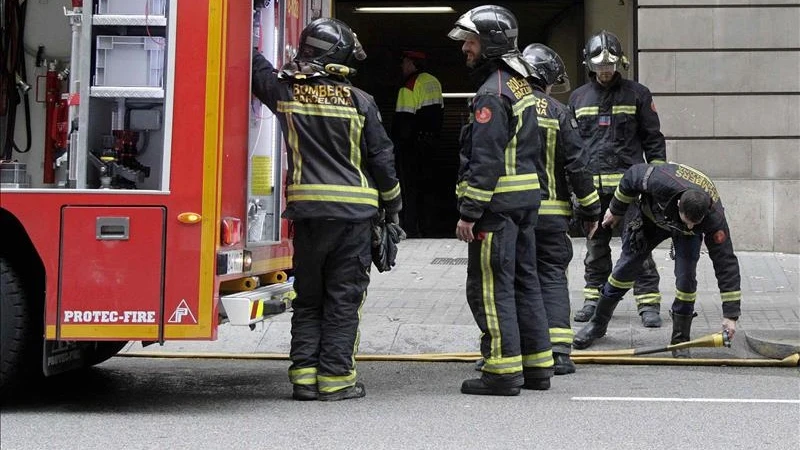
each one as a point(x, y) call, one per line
point(537, 378)
point(355, 391)
point(305, 393)
point(681, 328)
point(562, 364)
point(479, 386)
point(598, 324)
point(585, 313)
point(650, 318)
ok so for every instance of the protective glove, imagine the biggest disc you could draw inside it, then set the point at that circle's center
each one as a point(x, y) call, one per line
point(393, 218)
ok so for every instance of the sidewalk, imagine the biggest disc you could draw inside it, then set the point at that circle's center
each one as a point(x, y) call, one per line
point(420, 307)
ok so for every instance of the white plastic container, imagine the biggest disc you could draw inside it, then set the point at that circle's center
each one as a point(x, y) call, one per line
point(132, 7)
point(129, 61)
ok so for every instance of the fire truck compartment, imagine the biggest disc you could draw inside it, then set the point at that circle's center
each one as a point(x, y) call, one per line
point(112, 272)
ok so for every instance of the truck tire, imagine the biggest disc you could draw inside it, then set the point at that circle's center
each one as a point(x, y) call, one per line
point(17, 337)
point(104, 350)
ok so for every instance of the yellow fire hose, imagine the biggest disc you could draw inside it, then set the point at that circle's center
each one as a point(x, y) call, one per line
point(625, 356)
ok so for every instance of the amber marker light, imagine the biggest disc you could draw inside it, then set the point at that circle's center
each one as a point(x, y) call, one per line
point(189, 217)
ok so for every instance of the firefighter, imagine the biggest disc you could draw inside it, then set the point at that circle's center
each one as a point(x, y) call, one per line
point(562, 171)
point(340, 170)
point(498, 198)
point(415, 131)
point(618, 120)
point(670, 201)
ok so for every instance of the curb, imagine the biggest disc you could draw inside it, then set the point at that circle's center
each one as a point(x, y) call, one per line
point(776, 344)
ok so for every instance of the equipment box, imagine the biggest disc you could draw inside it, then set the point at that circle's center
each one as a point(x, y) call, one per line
point(129, 61)
point(131, 7)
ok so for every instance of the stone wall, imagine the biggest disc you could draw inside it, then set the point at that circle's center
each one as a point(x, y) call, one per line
point(725, 76)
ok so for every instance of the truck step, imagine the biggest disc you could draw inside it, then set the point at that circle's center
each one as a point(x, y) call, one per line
point(251, 307)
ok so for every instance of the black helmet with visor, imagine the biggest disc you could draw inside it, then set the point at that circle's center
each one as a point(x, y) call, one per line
point(495, 27)
point(329, 45)
point(548, 67)
point(603, 52)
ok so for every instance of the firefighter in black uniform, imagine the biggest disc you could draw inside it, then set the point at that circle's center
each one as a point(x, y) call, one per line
point(341, 169)
point(498, 198)
point(618, 120)
point(562, 170)
point(677, 201)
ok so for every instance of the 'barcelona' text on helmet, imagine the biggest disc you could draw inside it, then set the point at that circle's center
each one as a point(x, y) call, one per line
point(547, 66)
point(329, 41)
point(495, 27)
point(603, 51)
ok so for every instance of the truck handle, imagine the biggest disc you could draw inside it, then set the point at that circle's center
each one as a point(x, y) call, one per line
point(112, 228)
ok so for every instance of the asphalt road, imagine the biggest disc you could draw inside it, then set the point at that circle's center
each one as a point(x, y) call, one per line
point(140, 403)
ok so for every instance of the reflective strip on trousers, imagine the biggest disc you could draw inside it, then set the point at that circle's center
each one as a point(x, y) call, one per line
point(306, 376)
point(561, 336)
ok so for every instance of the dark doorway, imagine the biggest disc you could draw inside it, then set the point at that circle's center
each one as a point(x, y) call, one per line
point(557, 23)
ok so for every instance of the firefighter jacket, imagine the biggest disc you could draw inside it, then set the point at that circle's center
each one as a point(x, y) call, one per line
point(420, 107)
point(562, 165)
point(658, 188)
point(341, 163)
point(620, 126)
point(499, 146)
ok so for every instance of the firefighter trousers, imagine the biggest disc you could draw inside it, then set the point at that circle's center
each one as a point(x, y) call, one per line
point(553, 255)
point(504, 295)
point(629, 266)
point(598, 266)
point(331, 267)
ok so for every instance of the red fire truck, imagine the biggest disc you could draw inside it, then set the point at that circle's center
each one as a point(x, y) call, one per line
point(160, 220)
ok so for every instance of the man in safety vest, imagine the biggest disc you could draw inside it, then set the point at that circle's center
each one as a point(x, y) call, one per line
point(341, 169)
point(498, 200)
point(415, 130)
point(617, 119)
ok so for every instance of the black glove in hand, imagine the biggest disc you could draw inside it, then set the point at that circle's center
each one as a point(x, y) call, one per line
point(393, 218)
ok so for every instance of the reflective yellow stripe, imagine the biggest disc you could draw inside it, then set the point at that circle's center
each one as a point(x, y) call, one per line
point(541, 359)
point(511, 364)
point(620, 284)
point(516, 183)
point(607, 179)
point(686, 296)
point(313, 109)
point(305, 376)
point(648, 299)
point(506, 183)
point(355, 148)
point(294, 145)
point(623, 109)
point(555, 208)
point(550, 162)
point(591, 293)
point(489, 308)
point(589, 199)
point(733, 296)
point(622, 197)
point(523, 104)
point(561, 335)
point(587, 111)
point(332, 193)
point(548, 123)
point(333, 383)
point(658, 161)
point(391, 194)
point(465, 190)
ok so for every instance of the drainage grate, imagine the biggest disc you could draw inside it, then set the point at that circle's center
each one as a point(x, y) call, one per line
point(450, 261)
